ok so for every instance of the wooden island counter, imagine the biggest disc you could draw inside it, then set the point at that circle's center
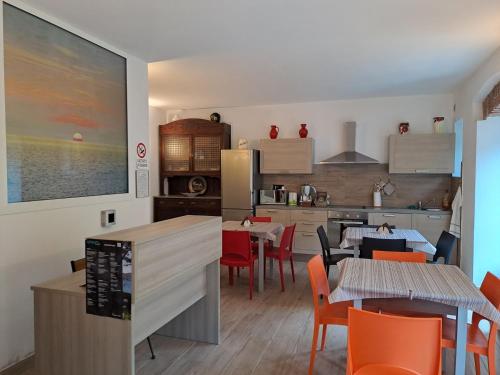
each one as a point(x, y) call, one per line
point(175, 292)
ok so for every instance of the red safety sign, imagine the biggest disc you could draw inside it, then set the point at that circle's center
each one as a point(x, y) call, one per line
point(141, 150)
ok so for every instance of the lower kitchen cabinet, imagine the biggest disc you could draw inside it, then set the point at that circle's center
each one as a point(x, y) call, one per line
point(168, 208)
point(306, 239)
point(398, 220)
point(431, 225)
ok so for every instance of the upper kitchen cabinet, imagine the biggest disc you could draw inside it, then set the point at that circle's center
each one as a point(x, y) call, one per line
point(192, 146)
point(422, 153)
point(286, 156)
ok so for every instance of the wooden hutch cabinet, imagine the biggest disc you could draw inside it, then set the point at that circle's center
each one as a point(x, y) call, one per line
point(188, 148)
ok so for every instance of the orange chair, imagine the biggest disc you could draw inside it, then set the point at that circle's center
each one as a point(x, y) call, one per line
point(477, 342)
point(324, 313)
point(391, 344)
point(399, 256)
point(282, 253)
point(237, 252)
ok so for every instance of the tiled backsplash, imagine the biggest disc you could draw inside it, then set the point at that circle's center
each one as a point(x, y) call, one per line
point(353, 184)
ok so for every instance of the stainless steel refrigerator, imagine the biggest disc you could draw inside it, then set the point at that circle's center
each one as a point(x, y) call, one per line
point(240, 183)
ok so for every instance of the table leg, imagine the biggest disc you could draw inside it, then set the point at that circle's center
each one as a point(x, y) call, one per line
point(261, 264)
point(271, 263)
point(358, 304)
point(356, 251)
point(461, 339)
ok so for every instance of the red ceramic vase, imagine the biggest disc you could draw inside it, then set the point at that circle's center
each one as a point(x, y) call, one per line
point(303, 131)
point(273, 134)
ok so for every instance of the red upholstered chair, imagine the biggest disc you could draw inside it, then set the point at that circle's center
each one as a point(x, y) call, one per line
point(282, 253)
point(237, 252)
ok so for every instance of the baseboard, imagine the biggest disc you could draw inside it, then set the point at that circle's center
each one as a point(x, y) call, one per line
point(20, 367)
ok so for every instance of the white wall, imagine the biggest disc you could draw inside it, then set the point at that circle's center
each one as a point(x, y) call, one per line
point(376, 117)
point(37, 240)
point(157, 116)
point(487, 202)
point(468, 99)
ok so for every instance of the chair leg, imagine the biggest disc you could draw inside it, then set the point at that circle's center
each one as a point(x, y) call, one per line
point(231, 276)
point(477, 363)
point(282, 276)
point(313, 347)
point(328, 271)
point(323, 337)
point(151, 348)
point(264, 267)
point(291, 266)
point(491, 363)
point(251, 279)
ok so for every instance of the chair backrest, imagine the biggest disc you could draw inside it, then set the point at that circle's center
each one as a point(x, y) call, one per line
point(78, 265)
point(490, 287)
point(325, 244)
point(286, 242)
point(400, 256)
point(411, 343)
point(370, 244)
point(236, 244)
point(260, 219)
point(318, 280)
point(444, 247)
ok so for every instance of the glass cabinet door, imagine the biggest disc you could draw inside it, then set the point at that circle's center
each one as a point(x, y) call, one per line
point(207, 153)
point(176, 153)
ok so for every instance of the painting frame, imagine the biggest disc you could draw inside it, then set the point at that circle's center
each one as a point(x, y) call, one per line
point(125, 177)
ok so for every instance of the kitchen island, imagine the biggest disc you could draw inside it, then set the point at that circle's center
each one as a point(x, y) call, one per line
point(175, 284)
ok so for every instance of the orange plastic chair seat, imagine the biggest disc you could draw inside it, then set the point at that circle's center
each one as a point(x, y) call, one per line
point(334, 313)
point(476, 340)
point(376, 369)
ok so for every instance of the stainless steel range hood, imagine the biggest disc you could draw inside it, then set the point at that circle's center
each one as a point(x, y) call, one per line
point(350, 156)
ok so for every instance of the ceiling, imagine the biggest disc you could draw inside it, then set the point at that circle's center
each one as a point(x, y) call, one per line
point(224, 53)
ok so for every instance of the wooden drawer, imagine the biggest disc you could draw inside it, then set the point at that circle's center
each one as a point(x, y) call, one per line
point(308, 226)
point(308, 215)
point(401, 221)
point(306, 243)
point(431, 225)
point(277, 215)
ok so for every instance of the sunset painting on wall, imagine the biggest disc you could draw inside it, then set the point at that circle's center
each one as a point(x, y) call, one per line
point(66, 112)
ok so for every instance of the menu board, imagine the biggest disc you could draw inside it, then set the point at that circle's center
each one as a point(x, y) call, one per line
point(109, 278)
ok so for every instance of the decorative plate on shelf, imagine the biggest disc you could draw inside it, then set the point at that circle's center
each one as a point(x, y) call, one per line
point(190, 195)
point(197, 184)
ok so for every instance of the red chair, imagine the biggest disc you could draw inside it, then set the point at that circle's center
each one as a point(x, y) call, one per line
point(324, 313)
point(260, 219)
point(477, 342)
point(282, 253)
point(237, 252)
point(255, 245)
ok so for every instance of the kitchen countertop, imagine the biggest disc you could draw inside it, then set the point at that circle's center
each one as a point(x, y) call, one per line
point(356, 209)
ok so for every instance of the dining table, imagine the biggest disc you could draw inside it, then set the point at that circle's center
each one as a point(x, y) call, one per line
point(353, 237)
point(263, 232)
point(414, 287)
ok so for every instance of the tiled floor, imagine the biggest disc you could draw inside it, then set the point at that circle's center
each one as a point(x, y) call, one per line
point(269, 335)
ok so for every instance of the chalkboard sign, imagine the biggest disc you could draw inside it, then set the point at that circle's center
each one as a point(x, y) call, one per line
point(109, 278)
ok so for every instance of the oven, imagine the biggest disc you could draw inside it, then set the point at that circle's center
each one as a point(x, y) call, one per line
point(338, 221)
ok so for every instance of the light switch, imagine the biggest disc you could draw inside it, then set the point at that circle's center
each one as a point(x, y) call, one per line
point(108, 218)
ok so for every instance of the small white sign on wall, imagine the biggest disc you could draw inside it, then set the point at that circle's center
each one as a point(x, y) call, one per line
point(142, 183)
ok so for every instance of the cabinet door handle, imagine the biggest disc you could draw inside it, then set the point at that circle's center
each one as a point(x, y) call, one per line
point(308, 212)
point(180, 202)
point(307, 223)
point(389, 215)
point(308, 235)
point(270, 211)
point(434, 217)
point(193, 202)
